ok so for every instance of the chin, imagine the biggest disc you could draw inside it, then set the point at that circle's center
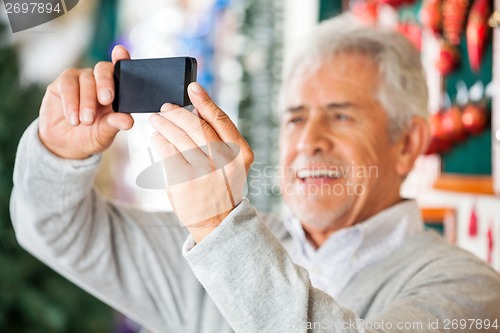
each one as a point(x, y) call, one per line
point(318, 213)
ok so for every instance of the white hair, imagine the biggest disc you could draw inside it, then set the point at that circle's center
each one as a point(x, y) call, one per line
point(403, 89)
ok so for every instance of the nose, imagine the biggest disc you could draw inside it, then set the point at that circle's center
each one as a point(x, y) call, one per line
point(314, 139)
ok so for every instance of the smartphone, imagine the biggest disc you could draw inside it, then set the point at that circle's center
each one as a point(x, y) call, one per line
point(144, 85)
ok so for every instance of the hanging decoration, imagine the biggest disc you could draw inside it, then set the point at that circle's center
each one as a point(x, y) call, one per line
point(490, 243)
point(449, 20)
point(430, 15)
point(474, 118)
point(449, 58)
point(451, 123)
point(411, 30)
point(439, 142)
point(366, 11)
point(468, 116)
point(473, 221)
point(454, 15)
point(396, 3)
point(477, 32)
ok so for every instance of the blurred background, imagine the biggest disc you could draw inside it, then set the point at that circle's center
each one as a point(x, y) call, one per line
point(239, 46)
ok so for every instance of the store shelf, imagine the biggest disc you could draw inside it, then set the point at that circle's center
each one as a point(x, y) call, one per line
point(436, 214)
point(464, 183)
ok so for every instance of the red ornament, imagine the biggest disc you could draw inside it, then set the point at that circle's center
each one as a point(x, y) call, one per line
point(473, 222)
point(474, 119)
point(449, 58)
point(396, 3)
point(454, 14)
point(439, 141)
point(491, 243)
point(430, 15)
point(451, 123)
point(412, 31)
point(477, 32)
point(437, 146)
point(366, 11)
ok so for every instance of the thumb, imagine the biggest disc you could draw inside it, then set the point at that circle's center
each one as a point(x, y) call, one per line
point(212, 114)
point(114, 122)
point(219, 121)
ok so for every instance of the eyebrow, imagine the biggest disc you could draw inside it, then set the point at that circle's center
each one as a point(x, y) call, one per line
point(329, 106)
point(295, 109)
point(340, 105)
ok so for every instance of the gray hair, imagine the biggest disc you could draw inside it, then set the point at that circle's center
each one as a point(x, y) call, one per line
point(403, 88)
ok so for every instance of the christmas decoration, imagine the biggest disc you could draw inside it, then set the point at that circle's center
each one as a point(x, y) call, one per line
point(430, 15)
point(397, 3)
point(33, 298)
point(454, 14)
point(477, 32)
point(490, 243)
point(412, 31)
point(439, 141)
point(451, 124)
point(473, 222)
point(261, 23)
point(449, 58)
point(366, 11)
point(474, 119)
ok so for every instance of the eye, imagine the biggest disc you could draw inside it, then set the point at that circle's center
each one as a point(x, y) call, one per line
point(342, 117)
point(295, 120)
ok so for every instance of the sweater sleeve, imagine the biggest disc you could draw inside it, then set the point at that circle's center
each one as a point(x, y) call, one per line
point(128, 258)
point(257, 287)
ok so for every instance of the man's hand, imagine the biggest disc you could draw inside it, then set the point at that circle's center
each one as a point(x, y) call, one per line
point(76, 117)
point(205, 159)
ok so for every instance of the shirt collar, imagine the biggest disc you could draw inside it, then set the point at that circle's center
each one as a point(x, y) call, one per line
point(349, 250)
point(396, 221)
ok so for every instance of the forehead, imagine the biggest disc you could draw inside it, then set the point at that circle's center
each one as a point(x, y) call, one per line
point(350, 76)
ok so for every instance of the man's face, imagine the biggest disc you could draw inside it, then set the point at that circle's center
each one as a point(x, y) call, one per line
point(337, 160)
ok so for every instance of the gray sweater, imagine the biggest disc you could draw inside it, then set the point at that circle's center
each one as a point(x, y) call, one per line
point(240, 277)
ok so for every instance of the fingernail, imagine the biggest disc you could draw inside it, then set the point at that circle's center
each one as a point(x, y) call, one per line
point(123, 126)
point(87, 116)
point(73, 118)
point(165, 107)
point(105, 95)
point(195, 87)
point(154, 135)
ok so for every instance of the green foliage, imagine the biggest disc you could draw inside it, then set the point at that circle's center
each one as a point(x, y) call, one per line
point(261, 24)
point(33, 298)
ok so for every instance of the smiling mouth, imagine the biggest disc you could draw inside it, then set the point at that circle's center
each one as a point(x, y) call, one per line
point(305, 174)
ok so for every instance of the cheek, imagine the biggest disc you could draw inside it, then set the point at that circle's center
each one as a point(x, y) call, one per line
point(286, 149)
point(365, 147)
point(375, 161)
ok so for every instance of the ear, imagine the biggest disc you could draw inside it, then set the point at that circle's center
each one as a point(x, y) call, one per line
point(412, 143)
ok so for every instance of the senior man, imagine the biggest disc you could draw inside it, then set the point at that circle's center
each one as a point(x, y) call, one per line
point(352, 256)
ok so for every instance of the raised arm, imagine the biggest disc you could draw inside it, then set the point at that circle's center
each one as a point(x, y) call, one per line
point(126, 257)
point(427, 286)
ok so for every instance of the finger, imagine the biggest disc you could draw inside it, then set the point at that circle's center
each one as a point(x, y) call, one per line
point(163, 148)
point(88, 99)
point(172, 133)
point(69, 91)
point(105, 84)
point(214, 116)
point(220, 122)
point(175, 166)
point(119, 53)
point(197, 128)
point(183, 143)
point(117, 121)
point(106, 127)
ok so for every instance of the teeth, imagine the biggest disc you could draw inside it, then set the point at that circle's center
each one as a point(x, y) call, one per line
point(303, 173)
